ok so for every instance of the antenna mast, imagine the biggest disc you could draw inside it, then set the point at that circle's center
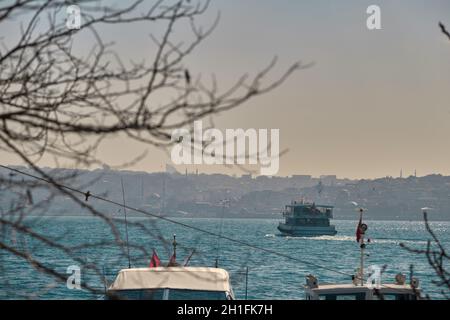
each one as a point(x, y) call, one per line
point(126, 224)
point(174, 244)
point(220, 233)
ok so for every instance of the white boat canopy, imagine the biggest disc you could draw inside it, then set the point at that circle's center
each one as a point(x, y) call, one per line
point(187, 278)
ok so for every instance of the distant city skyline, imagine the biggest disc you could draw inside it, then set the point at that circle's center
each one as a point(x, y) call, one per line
point(194, 170)
point(374, 103)
point(201, 195)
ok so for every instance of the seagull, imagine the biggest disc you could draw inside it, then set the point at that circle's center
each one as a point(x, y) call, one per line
point(358, 208)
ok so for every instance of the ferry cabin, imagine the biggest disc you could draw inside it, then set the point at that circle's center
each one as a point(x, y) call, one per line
point(307, 214)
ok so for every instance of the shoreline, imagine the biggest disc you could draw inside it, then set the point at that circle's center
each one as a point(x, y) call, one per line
point(225, 218)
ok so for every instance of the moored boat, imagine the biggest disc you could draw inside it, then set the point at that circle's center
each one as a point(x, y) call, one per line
point(399, 290)
point(171, 283)
point(361, 287)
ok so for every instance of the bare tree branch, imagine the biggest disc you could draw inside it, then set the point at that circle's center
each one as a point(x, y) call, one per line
point(437, 258)
point(59, 101)
point(444, 30)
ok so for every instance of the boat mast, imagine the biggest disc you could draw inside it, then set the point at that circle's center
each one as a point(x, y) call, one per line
point(174, 244)
point(361, 260)
point(362, 247)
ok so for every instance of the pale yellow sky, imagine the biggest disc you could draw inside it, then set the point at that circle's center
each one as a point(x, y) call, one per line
point(375, 101)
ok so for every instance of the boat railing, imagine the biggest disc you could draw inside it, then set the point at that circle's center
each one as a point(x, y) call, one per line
point(287, 214)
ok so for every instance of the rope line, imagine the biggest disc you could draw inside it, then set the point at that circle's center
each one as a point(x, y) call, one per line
point(188, 226)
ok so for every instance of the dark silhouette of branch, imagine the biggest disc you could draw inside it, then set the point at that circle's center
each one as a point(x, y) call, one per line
point(437, 258)
point(435, 252)
point(444, 30)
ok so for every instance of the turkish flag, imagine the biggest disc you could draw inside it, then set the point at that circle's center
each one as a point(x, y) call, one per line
point(173, 260)
point(359, 231)
point(154, 261)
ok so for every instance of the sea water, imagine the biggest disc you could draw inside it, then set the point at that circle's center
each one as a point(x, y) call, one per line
point(255, 273)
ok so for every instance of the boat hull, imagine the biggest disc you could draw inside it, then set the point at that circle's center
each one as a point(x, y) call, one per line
point(303, 231)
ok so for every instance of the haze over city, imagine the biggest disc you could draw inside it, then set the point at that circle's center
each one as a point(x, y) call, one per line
point(373, 103)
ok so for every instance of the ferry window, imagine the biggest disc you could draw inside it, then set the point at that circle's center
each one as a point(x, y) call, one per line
point(178, 294)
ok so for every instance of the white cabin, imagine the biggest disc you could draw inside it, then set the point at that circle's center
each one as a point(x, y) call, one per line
point(352, 291)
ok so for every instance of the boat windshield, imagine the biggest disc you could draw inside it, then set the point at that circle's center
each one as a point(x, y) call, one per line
point(167, 294)
point(395, 296)
point(345, 296)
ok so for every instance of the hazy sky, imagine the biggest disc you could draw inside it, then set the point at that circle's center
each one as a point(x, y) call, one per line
point(375, 101)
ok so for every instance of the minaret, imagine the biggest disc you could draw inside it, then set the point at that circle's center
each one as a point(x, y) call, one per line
point(142, 189)
point(401, 173)
point(163, 198)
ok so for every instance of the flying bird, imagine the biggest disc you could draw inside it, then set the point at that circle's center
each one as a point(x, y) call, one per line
point(187, 76)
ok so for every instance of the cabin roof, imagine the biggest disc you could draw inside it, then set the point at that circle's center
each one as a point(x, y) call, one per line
point(188, 278)
point(308, 205)
point(351, 288)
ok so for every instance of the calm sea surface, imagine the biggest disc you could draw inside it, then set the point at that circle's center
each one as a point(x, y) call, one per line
point(269, 276)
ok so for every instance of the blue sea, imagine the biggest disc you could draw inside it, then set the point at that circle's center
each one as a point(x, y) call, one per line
point(269, 276)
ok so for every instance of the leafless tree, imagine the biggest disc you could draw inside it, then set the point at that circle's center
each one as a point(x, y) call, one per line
point(437, 258)
point(61, 100)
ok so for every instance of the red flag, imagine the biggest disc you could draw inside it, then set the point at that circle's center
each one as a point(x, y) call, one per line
point(173, 260)
point(359, 231)
point(154, 262)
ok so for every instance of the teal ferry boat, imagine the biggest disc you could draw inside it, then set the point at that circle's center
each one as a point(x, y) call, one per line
point(307, 219)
